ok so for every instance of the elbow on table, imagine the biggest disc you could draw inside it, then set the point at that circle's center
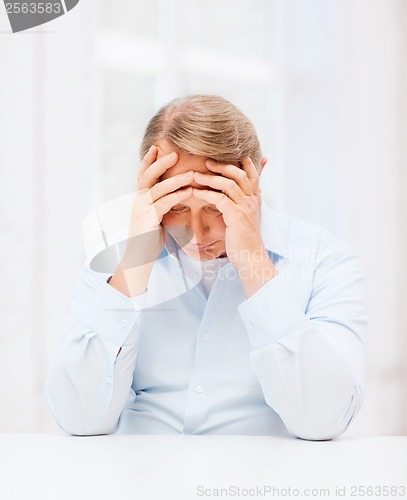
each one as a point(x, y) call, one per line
point(78, 429)
point(75, 424)
point(74, 419)
point(323, 422)
point(318, 434)
point(319, 429)
point(325, 414)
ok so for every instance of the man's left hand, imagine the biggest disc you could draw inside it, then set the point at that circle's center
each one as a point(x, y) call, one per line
point(235, 193)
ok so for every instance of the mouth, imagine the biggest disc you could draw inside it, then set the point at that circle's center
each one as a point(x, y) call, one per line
point(198, 247)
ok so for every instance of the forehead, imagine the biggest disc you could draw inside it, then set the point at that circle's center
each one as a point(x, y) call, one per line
point(185, 161)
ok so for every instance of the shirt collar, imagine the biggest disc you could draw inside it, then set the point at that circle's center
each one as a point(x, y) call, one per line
point(274, 231)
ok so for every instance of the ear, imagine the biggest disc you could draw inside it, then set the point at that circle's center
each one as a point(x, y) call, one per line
point(263, 163)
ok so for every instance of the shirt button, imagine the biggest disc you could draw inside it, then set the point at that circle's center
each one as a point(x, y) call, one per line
point(124, 323)
point(138, 320)
point(206, 337)
point(250, 326)
point(109, 380)
point(199, 388)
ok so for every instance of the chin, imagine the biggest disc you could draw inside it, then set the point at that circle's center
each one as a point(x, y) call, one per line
point(205, 255)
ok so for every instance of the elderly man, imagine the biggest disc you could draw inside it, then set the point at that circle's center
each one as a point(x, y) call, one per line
point(222, 316)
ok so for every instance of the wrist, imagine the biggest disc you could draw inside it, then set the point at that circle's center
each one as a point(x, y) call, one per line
point(255, 269)
point(131, 282)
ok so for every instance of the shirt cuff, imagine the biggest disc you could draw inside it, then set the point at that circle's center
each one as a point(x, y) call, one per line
point(270, 313)
point(116, 317)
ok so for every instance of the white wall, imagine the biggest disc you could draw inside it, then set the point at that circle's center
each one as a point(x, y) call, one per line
point(374, 194)
point(44, 158)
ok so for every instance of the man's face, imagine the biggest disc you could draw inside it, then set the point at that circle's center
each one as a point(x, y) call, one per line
point(196, 226)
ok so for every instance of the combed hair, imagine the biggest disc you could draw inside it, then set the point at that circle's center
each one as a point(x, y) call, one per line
point(205, 125)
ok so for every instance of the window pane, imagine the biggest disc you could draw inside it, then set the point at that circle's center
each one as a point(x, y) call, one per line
point(128, 105)
point(135, 16)
point(258, 104)
point(249, 99)
point(238, 26)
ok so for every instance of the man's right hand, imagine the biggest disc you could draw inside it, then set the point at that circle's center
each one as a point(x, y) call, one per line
point(152, 200)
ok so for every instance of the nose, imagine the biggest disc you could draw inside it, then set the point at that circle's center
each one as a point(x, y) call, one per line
point(199, 229)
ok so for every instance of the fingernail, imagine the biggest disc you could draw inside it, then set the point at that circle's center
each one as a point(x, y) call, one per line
point(211, 162)
point(172, 155)
point(188, 174)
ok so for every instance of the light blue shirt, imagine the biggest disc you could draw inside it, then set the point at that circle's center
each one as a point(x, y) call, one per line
point(288, 360)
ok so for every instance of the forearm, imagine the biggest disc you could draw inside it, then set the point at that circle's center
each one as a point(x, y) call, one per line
point(132, 275)
point(255, 269)
point(131, 282)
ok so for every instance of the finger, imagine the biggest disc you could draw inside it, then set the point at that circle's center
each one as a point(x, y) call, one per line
point(169, 185)
point(220, 200)
point(259, 197)
point(166, 202)
point(147, 160)
point(156, 170)
point(224, 184)
point(232, 172)
point(251, 172)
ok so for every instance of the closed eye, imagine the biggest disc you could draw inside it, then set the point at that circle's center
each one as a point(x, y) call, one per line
point(212, 209)
point(179, 209)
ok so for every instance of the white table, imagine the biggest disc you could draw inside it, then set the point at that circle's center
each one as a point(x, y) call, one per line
point(56, 467)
